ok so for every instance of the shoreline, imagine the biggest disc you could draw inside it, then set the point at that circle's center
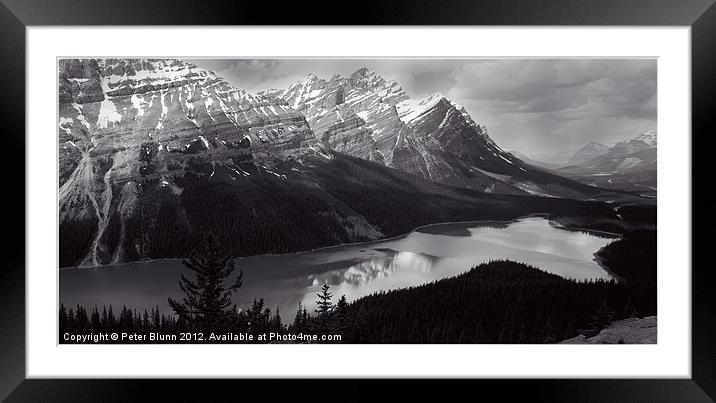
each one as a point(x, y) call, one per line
point(594, 232)
point(352, 244)
point(598, 259)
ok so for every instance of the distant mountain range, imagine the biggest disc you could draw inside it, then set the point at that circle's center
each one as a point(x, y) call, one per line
point(533, 161)
point(628, 165)
point(154, 153)
point(586, 153)
point(638, 153)
point(594, 155)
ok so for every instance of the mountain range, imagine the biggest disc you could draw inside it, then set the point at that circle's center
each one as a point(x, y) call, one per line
point(627, 165)
point(634, 154)
point(369, 117)
point(154, 153)
point(588, 152)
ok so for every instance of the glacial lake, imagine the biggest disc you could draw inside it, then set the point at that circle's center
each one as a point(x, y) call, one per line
point(426, 254)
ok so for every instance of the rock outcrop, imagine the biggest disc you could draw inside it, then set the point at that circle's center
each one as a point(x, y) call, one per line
point(625, 331)
point(126, 125)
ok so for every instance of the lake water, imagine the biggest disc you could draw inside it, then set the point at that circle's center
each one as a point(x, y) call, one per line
point(424, 255)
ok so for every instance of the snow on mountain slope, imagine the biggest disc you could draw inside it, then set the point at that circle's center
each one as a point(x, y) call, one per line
point(634, 154)
point(154, 153)
point(410, 110)
point(648, 137)
point(371, 118)
point(331, 106)
point(126, 125)
point(628, 165)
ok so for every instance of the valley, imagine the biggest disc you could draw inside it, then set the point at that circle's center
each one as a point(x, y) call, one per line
point(402, 208)
point(155, 153)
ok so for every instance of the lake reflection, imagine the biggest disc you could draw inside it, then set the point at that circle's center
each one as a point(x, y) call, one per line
point(375, 269)
point(424, 255)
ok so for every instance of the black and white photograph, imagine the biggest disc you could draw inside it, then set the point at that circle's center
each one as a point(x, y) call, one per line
point(357, 200)
point(203, 198)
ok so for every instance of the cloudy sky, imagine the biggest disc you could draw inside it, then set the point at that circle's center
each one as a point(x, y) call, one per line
point(536, 106)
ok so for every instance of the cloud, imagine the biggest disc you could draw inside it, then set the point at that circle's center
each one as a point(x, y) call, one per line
point(249, 74)
point(553, 85)
point(428, 82)
point(527, 104)
point(545, 105)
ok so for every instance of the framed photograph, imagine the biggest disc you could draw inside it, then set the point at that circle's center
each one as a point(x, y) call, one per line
point(472, 193)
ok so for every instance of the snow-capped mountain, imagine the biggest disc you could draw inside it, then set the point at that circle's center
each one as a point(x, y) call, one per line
point(127, 125)
point(648, 137)
point(369, 117)
point(586, 153)
point(155, 153)
point(338, 111)
point(628, 165)
point(638, 153)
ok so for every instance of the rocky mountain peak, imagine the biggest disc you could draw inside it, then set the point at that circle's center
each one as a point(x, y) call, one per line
point(592, 148)
point(648, 137)
point(92, 80)
point(311, 78)
point(641, 142)
point(366, 79)
point(368, 117)
point(637, 153)
point(410, 110)
point(589, 151)
point(80, 81)
point(593, 145)
point(371, 118)
point(362, 72)
point(131, 126)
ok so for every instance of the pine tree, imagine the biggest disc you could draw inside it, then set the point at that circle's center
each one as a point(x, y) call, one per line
point(71, 320)
point(340, 321)
point(342, 305)
point(145, 321)
point(125, 322)
point(138, 326)
point(303, 322)
point(111, 320)
point(324, 306)
point(63, 319)
point(298, 320)
point(156, 319)
point(82, 321)
point(206, 301)
point(276, 324)
point(257, 316)
point(95, 322)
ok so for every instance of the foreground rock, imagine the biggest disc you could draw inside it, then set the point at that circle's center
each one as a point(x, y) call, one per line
point(626, 331)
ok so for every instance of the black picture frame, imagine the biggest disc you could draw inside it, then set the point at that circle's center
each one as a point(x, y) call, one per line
point(16, 15)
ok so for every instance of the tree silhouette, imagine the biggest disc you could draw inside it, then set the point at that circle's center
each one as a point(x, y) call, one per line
point(206, 301)
point(342, 306)
point(324, 304)
point(300, 321)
